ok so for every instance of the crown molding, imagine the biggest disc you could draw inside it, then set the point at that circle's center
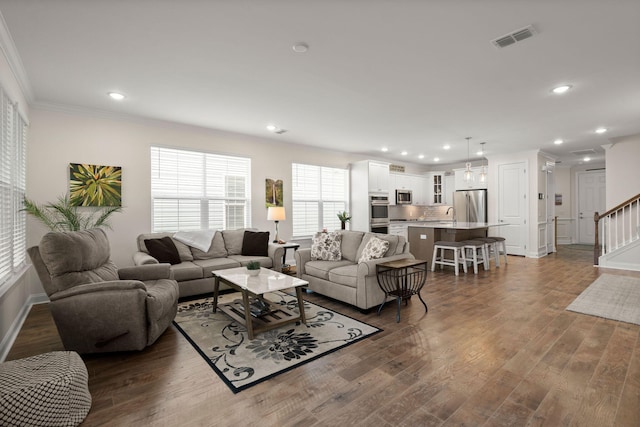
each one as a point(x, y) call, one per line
point(15, 62)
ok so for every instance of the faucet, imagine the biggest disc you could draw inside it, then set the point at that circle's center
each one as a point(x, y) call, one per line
point(453, 215)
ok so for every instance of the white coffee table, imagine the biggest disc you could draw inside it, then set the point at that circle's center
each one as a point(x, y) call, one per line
point(255, 287)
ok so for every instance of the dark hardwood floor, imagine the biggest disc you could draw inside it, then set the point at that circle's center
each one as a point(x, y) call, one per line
point(496, 349)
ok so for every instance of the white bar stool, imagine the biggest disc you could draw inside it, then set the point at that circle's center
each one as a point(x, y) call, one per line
point(473, 246)
point(492, 251)
point(458, 255)
point(500, 247)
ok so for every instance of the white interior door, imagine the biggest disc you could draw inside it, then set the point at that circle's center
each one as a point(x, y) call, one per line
point(512, 207)
point(591, 199)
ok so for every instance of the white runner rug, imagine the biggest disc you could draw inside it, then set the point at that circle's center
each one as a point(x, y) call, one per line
point(612, 297)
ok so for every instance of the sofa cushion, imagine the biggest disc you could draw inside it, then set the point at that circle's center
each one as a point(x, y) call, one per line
point(233, 241)
point(264, 261)
point(208, 265)
point(76, 258)
point(392, 239)
point(255, 243)
point(326, 246)
point(321, 269)
point(351, 241)
point(346, 275)
point(164, 250)
point(186, 270)
point(216, 250)
point(374, 249)
point(183, 250)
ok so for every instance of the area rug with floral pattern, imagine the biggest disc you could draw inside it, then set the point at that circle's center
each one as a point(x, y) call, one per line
point(242, 363)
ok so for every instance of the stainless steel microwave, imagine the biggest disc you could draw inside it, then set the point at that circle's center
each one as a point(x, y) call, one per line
point(403, 197)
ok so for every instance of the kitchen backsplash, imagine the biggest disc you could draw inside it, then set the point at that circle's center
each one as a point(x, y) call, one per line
point(422, 212)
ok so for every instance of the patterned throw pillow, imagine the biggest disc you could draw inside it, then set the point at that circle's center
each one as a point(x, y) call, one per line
point(326, 246)
point(375, 248)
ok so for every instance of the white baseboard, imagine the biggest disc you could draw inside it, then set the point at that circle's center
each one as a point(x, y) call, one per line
point(14, 330)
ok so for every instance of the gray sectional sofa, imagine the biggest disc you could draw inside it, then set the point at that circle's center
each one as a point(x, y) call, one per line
point(194, 272)
point(347, 279)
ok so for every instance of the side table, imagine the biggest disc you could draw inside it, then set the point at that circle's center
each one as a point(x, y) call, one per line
point(286, 246)
point(402, 279)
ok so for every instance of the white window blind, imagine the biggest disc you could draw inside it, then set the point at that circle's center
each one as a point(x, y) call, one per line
point(12, 189)
point(194, 190)
point(318, 194)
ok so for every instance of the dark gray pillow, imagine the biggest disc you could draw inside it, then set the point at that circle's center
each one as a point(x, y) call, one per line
point(255, 243)
point(164, 250)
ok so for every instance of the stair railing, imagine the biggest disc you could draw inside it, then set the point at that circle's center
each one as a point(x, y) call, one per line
point(621, 226)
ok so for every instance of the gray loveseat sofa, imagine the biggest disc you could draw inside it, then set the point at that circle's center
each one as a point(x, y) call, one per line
point(194, 272)
point(348, 280)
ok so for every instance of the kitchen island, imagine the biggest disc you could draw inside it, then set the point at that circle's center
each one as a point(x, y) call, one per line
point(423, 235)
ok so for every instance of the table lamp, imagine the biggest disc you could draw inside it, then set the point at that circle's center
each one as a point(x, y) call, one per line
point(276, 213)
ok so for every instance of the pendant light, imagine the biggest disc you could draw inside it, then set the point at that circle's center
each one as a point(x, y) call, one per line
point(468, 173)
point(483, 170)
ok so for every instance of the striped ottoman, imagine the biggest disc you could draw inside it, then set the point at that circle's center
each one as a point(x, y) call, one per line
point(49, 389)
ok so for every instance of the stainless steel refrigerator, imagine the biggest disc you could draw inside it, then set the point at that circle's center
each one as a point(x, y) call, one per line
point(470, 205)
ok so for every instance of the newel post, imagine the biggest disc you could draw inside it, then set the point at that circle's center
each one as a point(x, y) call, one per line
point(596, 247)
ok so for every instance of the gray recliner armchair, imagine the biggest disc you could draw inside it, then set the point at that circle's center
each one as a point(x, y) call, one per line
point(97, 307)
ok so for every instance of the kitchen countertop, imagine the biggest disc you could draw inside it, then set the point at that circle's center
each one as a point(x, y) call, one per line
point(457, 226)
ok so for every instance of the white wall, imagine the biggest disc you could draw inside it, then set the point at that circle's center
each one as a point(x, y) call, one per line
point(623, 172)
point(58, 138)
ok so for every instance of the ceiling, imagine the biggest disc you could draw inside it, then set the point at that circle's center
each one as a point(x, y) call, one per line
point(406, 75)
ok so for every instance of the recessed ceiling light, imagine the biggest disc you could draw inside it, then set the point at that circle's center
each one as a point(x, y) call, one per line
point(404, 153)
point(275, 129)
point(601, 130)
point(561, 89)
point(436, 159)
point(479, 153)
point(385, 149)
point(586, 159)
point(300, 47)
point(117, 96)
point(558, 141)
point(446, 146)
point(421, 156)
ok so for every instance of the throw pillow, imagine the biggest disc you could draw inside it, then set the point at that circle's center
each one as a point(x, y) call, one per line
point(375, 248)
point(326, 246)
point(164, 250)
point(255, 243)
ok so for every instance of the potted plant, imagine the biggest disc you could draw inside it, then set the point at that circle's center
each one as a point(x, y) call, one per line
point(253, 268)
point(344, 217)
point(63, 215)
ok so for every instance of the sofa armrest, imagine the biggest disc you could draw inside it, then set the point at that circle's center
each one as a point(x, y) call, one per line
point(142, 258)
point(302, 256)
point(98, 288)
point(276, 253)
point(145, 272)
point(368, 268)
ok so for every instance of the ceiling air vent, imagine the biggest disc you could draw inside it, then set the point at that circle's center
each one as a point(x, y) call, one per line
point(396, 168)
point(514, 37)
point(584, 152)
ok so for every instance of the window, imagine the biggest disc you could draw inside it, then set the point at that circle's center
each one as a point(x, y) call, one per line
point(192, 190)
point(319, 193)
point(13, 232)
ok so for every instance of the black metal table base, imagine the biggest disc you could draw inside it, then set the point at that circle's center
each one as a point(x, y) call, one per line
point(401, 279)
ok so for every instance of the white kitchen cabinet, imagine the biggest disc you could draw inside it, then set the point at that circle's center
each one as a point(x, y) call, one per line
point(416, 184)
point(449, 188)
point(379, 177)
point(435, 191)
point(473, 184)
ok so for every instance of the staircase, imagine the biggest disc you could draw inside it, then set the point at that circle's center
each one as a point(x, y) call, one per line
point(620, 243)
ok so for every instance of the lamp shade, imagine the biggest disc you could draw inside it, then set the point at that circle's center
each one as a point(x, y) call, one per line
point(276, 213)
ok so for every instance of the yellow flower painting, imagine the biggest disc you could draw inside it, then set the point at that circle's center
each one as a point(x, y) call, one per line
point(94, 185)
